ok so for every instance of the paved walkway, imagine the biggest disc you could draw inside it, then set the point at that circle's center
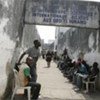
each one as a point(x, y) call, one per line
point(56, 87)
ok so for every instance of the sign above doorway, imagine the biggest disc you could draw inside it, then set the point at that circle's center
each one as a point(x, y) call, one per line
point(71, 13)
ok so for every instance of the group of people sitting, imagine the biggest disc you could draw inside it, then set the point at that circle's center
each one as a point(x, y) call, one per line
point(78, 70)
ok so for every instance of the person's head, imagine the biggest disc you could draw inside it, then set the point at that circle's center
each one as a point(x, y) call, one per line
point(37, 44)
point(65, 51)
point(73, 61)
point(83, 62)
point(48, 51)
point(29, 60)
point(79, 60)
point(95, 65)
point(78, 63)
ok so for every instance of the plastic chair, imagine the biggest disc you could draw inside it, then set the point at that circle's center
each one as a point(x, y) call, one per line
point(89, 81)
point(18, 86)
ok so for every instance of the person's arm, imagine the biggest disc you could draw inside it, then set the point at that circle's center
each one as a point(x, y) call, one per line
point(21, 57)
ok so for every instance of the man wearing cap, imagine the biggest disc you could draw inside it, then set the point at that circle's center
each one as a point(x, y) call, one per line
point(33, 52)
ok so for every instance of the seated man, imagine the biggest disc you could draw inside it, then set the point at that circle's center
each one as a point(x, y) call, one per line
point(94, 71)
point(81, 73)
point(25, 78)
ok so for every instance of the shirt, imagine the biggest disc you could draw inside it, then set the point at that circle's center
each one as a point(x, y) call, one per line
point(24, 71)
point(33, 52)
point(83, 69)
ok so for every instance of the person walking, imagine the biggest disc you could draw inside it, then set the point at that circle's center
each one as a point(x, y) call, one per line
point(48, 58)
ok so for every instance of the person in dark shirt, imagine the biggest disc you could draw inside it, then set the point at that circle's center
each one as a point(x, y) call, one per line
point(65, 54)
point(48, 58)
point(94, 70)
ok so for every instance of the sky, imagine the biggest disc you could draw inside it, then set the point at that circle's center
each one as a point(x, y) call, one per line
point(46, 32)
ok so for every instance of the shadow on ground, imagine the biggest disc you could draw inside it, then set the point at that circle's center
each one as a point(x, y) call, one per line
point(90, 96)
point(22, 97)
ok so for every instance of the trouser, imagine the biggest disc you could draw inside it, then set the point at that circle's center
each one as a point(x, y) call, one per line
point(79, 82)
point(35, 89)
point(74, 79)
point(43, 56)
point(33, 73)
point(48, 64)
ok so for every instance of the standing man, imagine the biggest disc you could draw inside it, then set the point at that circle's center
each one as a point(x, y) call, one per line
point(33, 52)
